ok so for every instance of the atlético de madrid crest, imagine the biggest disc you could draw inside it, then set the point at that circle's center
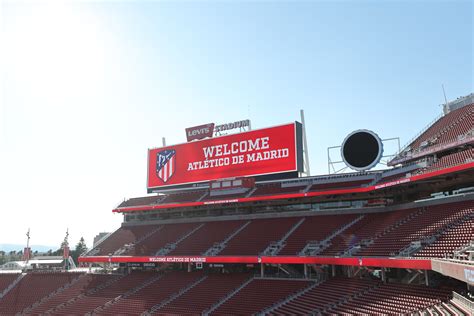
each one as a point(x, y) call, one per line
point(165, 164)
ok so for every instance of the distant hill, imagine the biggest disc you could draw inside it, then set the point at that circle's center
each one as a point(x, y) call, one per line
point(16, 247)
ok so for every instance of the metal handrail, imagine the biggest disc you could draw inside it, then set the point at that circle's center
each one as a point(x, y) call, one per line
point(464, 300)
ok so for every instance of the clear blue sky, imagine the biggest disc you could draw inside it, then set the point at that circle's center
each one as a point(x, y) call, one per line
point(88, 86)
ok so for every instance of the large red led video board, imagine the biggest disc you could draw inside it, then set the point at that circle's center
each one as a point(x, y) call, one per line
point(258, 152)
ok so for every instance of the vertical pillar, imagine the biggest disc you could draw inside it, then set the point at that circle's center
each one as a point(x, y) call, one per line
point(305, 266)
point(189, 267)
point(262, 270)
point(333, 270)
point(427, 280)
point(383, 276)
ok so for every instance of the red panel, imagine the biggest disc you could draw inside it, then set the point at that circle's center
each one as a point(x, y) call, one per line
point(312, 260)
point(258, 152)
point(167, 259)
point(422, 264)
point(370, 262)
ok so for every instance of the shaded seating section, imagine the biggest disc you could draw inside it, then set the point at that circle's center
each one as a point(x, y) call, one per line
point(447, 128)
point(394, 177)
point(6, 279)
point(339, 185)
point(83, 285)
point(94, 299)
point(259, 294)
point(204, 295)
point(432, 220)
point(189, 196)
point(31, 288)
point(258, 235)
point(450, 160)
point(204, 238)
point(152, 294)
point(452, 239)
point(122, 236)
point(314, 228)
point(392, 299)
point(276, 188)
point(229, 196)
point(321, 296)
point(140, 201)
point(168, 234)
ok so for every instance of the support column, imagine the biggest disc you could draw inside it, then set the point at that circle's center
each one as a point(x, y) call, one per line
point(384, 277)
point(305, 266)
point(350, 271)
point(333, 270)
point(262, 270)
point(427, 280)
point(189, 267)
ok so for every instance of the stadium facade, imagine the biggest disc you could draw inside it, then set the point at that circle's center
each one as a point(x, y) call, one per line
point(231, 227)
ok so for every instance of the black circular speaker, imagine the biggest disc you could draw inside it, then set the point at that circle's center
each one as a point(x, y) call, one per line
point(362, 150)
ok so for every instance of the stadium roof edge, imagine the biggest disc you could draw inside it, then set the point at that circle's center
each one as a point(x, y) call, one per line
point(415, 178)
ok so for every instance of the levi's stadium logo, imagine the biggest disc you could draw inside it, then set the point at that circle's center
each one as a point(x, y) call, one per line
point(165, 164)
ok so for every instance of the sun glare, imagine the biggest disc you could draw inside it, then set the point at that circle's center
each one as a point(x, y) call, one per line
point(54, 47)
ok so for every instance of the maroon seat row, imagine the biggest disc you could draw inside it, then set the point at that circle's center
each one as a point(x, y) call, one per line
point(441, 228)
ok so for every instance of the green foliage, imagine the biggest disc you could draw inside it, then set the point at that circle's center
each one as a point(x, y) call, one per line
point(81, 247)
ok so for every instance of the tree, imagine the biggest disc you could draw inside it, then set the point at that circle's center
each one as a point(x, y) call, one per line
point(60, 250)
point(81, 247)
point(2, 257)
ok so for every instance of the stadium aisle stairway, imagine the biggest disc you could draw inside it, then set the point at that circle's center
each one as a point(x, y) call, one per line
point(452, 239)
point(392, 299)
point(152, 294)
point(168, 234)
point(452, 121)
point(204, 295)
point(204, 238)
point(432, 220)
point(378, 234)
point(257, 236)
point(323, 295)
point(326, 225)
point(85, 284)
point(32, 288)
point(260, 294)
point(93, 299)
point(226, 294)
point(353, 234)
point(122, 236)
point(6, 280)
